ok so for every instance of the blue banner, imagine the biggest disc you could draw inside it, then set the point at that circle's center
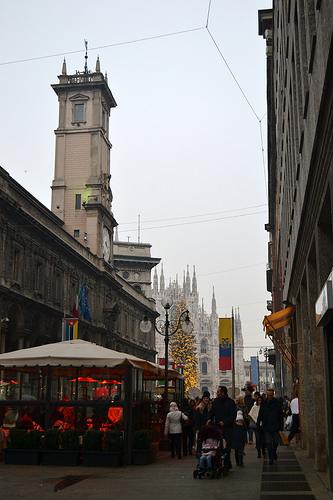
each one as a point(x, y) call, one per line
point(255, 370)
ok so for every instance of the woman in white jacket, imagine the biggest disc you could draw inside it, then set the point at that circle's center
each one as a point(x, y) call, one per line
point(173, 428)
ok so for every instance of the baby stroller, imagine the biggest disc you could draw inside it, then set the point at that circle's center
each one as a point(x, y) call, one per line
point(210, 453)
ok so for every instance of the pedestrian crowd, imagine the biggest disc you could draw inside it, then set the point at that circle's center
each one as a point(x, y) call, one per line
point(212, 428)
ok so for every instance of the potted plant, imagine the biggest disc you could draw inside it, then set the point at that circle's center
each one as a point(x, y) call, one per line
point(141, 447)
point(69, 445)
point(113, 446)
point(23, 447)
point(60, 447)
point(102, 449)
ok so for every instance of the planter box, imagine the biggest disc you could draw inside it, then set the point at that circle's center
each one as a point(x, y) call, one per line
point(21, 456)
point(154, 450)
point(141, 457)
point(59, 457)
point(165, 445)
point(102, 458)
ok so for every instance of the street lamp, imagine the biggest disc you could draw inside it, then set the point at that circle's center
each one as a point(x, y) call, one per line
point(167, 329)
point(264, 351)
point(3, 327)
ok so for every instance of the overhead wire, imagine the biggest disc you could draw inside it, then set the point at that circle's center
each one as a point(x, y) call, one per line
point(259, 120)
point(164, 35)
point(100, 47)
point(197, 215)
point(195, 222)
point(233, 269)
point(153, 37)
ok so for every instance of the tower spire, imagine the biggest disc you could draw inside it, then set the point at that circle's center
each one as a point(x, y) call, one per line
point(188, 282)
point(194, 283)
point(213, 303)
point(86, 57)
point(64, 68)
point(155, 282)
point(98, 65)
point(162, 283)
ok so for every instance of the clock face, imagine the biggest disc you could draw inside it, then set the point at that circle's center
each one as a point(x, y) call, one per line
point(106, 244)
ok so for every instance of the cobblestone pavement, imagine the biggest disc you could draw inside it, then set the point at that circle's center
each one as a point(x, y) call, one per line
point(165, 479)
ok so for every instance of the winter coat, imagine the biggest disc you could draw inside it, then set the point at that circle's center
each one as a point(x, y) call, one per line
point(201, 415)
point(270, 416)
point(173, 422)
point(238, 439)
point(223, 409)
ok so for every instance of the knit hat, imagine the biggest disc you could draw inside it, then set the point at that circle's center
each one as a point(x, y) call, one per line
point(239, 416)
point(206, 394)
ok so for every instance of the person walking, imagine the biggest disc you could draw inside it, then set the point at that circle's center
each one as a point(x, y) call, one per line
point(223, 413)
point(271, 418)
point(201, 416)
point(173, 428)
point(259, 433)
point(188, 428)
point(294, 408)
point(239, 438)
point(248, 403)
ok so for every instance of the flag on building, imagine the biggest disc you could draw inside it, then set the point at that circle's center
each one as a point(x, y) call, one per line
point(71, 328)
point(75, 310)
point(84, 303)
point(225, 344)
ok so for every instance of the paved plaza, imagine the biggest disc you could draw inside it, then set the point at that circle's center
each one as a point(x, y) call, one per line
point(292, 478)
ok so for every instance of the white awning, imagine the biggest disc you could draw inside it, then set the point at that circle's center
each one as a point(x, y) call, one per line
point(73, 353)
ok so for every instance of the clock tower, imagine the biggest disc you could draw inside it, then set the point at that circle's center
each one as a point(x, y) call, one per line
point(81, 193)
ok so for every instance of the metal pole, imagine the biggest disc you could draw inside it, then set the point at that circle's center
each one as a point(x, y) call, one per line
point(266, 356)
point(233, 354)
point(166, 359)
point(258, 363)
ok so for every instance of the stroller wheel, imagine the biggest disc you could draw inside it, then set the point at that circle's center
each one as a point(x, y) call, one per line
point(195, 474)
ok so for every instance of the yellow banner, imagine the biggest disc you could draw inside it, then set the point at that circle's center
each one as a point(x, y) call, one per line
point(225, 331)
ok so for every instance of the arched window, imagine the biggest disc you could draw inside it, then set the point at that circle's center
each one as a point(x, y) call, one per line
point(204, 368)
point(203, 346)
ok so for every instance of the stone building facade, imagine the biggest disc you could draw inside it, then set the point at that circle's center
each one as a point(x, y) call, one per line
point(48, 257)
point(205, 331)
point(299, 50)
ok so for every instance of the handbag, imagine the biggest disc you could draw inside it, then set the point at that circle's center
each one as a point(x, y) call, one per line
point(288, 423)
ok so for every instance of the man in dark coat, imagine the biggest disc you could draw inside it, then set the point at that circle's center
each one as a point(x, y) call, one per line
point(223, 413)
point(270, 417)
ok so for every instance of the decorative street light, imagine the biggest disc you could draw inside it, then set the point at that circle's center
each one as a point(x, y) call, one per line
point(264, 351)
point(4, 322)
point(167, 329)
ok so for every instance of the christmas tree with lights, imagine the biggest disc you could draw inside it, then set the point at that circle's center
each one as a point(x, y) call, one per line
point(184, 353)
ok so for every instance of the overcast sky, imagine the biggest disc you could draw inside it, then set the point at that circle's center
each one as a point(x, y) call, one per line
point(186, 144)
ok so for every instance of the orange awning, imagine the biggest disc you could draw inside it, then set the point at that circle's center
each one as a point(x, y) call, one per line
point(278, 319)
